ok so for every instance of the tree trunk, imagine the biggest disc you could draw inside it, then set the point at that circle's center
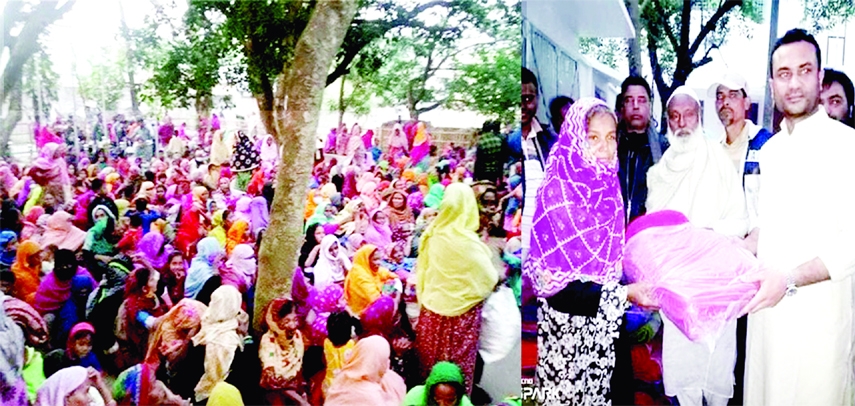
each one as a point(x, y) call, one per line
point(341, 105)
point(635, 42)
point(132, 86)
point(203, 106)
point(12, 118)
point(769, 104)
point(299, 94)
point(265, 106)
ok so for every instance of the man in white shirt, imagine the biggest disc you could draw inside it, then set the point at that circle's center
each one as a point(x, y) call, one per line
point(800, 348)
point(696, 178)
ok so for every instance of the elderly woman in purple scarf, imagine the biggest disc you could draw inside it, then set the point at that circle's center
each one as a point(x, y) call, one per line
point(574, 266)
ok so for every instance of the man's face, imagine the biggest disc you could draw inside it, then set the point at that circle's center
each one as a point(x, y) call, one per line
point(796, 79)
point(636, 108)
point(529, 102)
point(834, 100)
point(683, 115)
point(731, 105)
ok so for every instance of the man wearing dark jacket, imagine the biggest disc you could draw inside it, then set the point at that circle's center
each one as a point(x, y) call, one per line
point(639, 144)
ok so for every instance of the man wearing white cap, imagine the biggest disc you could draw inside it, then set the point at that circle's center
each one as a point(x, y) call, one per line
point(742, 141)
point(696, 178)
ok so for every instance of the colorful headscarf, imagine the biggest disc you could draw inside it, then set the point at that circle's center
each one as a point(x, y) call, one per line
point(26, 269)
point(236, 235)
point(379, 317)
point(60, 385)
point(62, 233)
point(240, 268)
point(366, 379)
point(7, 257)
point(246, 156)
point(31, 322)
point(455, 268)
point(202, 266)
point(152, 247)
point(578, 228)
point(434, 198)
point(281, 352)
point(328, 299)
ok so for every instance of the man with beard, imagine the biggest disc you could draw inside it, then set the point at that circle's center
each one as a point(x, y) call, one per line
point(800, 349)
point(742, 141)
point(639, 145)
point(696, 178)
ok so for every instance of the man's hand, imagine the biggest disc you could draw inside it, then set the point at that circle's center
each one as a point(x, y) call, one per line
point(773, 286)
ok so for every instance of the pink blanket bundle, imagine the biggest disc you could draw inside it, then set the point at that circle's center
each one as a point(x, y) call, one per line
point(696, 273)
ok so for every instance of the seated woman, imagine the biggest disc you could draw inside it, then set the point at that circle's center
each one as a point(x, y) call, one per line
point(139, 314)
point(75, 386)
point(137, 386)
point(77, 352)
point(444, 386)
point(364, 283)
point(281, 352)
point(365, 378)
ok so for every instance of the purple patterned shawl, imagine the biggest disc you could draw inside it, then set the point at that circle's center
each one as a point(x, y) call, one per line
point(578, 231)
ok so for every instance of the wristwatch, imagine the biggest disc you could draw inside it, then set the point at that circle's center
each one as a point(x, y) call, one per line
point(791, 284)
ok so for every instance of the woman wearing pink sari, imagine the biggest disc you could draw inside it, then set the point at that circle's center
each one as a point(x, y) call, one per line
point(366, 379)
point(421, 144)
point(61, 233)
point(50, 171)
point(378, 232)
point(398, 144)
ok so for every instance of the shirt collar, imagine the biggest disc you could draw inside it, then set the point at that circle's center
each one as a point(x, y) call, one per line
point(814, 119)
point(535, 129)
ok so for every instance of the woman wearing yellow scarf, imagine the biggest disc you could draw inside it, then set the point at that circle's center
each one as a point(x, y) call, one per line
point(454, 275)
point(364, 283)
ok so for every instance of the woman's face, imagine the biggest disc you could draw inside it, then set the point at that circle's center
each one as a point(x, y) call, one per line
point(319, 234)
point(161, 192)
point(381, 218)
point(602, 137)
point(35, 259)
point(204, 196)
point(12, 245)
point(224, 184)
point(445, 395)
point(98, 215)
point(334, 250)
point(152, 282)
point(330, 211)
point(176, 265)
point(83, 346)
point(398, 201)
point(488, 200)
point(48, 200)
point(80, 396)
point(376, 259)
point(430, 216)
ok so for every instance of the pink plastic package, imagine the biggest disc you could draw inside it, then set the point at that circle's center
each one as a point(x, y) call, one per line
point(695, 272)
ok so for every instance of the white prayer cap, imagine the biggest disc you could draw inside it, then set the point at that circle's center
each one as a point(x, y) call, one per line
point(730, 80)
point(686, 91)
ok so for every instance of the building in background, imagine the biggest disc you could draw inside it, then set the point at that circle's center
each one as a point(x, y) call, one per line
point(550, 48)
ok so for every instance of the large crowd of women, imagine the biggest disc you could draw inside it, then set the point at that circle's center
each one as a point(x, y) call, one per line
point(128, 271)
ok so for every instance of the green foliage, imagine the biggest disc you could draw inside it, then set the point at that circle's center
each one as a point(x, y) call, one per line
point(490, 86)
point(107, 82)
point(189, 66)
point(827, 14)
point(607, 51)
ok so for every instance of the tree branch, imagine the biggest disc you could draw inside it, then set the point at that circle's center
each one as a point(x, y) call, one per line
point(685, 23)
point(26, 43)
point(430, 107)
point(663, 20)
point(711, 23)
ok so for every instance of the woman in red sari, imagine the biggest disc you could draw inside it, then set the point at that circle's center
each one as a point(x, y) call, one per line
point(191, 227)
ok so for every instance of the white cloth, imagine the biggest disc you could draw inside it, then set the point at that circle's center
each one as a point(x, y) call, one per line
point(534, 174)
point(329, 269)
point(801, 351)
point(739, 153)
point(701, 184)
point(696, 178)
